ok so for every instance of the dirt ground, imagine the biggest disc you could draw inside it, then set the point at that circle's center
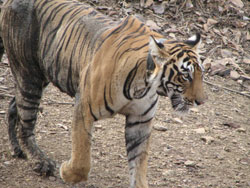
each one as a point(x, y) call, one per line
point(208, 147)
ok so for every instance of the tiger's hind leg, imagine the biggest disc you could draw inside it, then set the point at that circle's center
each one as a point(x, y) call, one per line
point(12, 130)
point(137, 135)
point(23, 113)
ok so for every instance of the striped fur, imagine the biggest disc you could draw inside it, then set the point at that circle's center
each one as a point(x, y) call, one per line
point(109, 67)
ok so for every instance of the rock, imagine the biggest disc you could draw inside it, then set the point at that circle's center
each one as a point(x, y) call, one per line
point(200, 131)
point(219, 69)
point(196, 110)
point(234, 75)
point(231, 125)
point(207, 139)
point(189, 163)
point(160, 128)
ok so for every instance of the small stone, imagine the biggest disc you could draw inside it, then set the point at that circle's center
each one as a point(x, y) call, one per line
point(52, 178)
point(168, 172)
point(177, 120)
point(200, 131)
point(98, 126)
point(234, 75)
point(189, 163)
point(241, 130)
point(160, 128)
point(2, 112)
point(196, 110)
point(227, 149)
point(7, 162)
point(207, 139)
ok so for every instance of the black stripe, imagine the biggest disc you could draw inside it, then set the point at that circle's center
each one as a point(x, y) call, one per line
point(117, 30)
point(136, 142)
point(186, 59)
point(92, 114)
point(175, 68)
point(28, 120)
point(106, 103)
point(171, 74)
point(128, 82)
point(151, 107)
point(53, 33)
point(133, 49)
point(180, 54)
point(27, 107)
point(129, 124)
point(134, 157)
point(171, 53)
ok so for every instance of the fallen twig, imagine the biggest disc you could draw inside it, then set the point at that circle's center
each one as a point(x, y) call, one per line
point(6, 95)
point(234, 91)
point(56, 102)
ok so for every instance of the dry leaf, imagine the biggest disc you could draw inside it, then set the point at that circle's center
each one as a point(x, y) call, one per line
point(189, 4)
point(159, 8)
point(225, 40)
point(226, 53)
point(237, 36)
point(247, 61)
point(205, 26)
point(211, 22)
point(248, 35)
point(152, 25)
point(237, 3)
point(234, 75)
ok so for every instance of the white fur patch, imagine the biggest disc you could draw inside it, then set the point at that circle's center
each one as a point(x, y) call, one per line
point(193, 38)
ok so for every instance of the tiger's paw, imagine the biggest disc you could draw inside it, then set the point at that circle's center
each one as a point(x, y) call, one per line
point(73, 175)
point(45, 167)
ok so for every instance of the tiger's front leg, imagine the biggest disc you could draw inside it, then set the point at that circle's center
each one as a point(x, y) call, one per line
point(137, 135)
point(78, 167)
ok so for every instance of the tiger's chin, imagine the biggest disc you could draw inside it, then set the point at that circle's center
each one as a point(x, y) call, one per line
point(180, 105)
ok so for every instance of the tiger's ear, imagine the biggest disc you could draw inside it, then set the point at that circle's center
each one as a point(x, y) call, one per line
point(155, 50)
point(194, 41)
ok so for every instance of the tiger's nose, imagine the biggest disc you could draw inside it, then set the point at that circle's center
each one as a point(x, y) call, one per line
point(199, 102)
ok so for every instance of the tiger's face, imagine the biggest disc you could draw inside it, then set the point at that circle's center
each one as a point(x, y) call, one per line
point(179, 71)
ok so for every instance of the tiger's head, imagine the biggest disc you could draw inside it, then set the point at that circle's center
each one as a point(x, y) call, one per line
point(177, 67)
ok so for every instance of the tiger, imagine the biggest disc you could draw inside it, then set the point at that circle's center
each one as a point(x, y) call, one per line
point(110, 67)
